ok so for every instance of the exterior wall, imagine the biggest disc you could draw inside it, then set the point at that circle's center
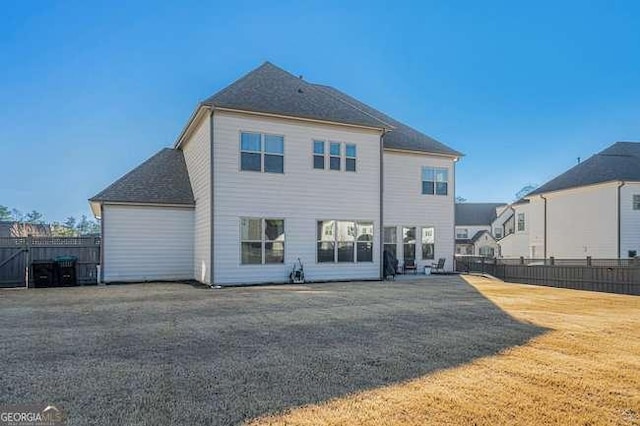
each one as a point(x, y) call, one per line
point(197, 155)
point(499, 221)
point(583, 222)
point(485, 241)
point(473, 229)
point(514, 246)
point(405, 205)
point(147, 243)
point(300, 196)
point(629, 220)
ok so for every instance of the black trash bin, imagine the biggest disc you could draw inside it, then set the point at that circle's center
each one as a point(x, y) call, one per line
point(43, 272)
point(65, 267)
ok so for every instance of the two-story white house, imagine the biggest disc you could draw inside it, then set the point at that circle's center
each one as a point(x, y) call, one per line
point(591, 210)
point(474, 232)
point(272, 169)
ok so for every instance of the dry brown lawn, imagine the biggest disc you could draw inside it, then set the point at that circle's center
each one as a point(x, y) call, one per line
point(584, 371)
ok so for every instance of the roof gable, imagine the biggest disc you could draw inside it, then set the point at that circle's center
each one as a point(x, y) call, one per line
point(162, 179)
point(619, 162)
point(269, 89)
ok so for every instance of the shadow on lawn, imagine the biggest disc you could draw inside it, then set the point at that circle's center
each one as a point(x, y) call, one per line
point(188, 357)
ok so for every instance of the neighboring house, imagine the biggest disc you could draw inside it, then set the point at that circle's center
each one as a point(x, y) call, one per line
point(274, 168)
point(22, 229)
point(593, 209)
point(474, 234)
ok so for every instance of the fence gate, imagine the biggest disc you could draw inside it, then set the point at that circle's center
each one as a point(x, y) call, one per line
point(17, 254)
point(13, 262)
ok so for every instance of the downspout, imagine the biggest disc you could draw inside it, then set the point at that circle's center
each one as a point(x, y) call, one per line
point(211, 206)
point(101, 277)
point(544, 232)
point(620, 185)
point(381, 238)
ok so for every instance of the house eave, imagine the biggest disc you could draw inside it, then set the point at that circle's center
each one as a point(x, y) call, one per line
point(434, 154)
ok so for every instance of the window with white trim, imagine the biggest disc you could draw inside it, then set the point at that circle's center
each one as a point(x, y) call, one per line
point(261, 241)
point(497, 232)
point(350, 157)
point(428, 243)
point(335, 155)
point(318, 154)
point(520, 221)
point(636, 201)
point(391, 240)
point(462, 233)
point(261, 152)
point(344, 241)
point(435, 181)
point(409, 243)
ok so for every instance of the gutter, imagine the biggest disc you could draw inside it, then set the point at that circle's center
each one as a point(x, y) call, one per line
point(620, 185)
point(211, 212)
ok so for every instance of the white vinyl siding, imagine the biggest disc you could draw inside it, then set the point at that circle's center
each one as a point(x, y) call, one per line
point(197, 155)
point(301, 196)
point(404, 204)
point(148, 243)
point(629, 220)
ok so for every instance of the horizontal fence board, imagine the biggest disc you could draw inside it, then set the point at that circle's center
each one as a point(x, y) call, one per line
point(620, 276)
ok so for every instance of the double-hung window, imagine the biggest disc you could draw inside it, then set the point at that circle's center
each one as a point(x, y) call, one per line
point(428, 243)
point(261, 152)
point(344, 241)
point(261, 241)
point(636, 201)
point(435, 181)
point(335, 153)
point(520, 221)
point(318, 154)
point(390, 240)
point(497, 232)
point(409, 243)
point(350, 157)
point(462, 233)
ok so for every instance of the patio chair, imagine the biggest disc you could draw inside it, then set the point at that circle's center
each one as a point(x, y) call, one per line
point(410, 265)
point(438, 267)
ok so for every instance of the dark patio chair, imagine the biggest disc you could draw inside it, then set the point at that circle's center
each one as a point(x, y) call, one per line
point(438, 267)
point(410, 265)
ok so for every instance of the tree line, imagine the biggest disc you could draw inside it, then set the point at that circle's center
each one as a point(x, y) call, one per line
point(71, 227)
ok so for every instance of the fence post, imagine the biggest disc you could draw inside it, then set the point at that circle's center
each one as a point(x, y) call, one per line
point(522, 260)
point(28, 260)
point(483, 264)
point(588, 260)
point(552, 261)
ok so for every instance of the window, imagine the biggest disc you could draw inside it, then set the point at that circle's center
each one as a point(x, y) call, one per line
point(462, 233)
point(428, 243)
point(497, 233)
point(260, 152)
point(261, 241)
point(344, 241)
point(636, 201)
point(486, 251)
point(520, 221)
point(409, 243)
point(335, 151)
point(318, 155)
point(350, 160)
point(390, 240)
point(435, 181)
point(632, 253)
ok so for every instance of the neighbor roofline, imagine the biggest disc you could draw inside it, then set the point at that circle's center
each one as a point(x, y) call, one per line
point(298, 118)
point(534, 194)
point(140, 203)
point(437, 154)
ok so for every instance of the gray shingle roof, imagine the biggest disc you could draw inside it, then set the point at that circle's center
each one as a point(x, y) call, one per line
point(270, 89)
point(620, 161)
point(469, 214)
point(162, 179)
point(402, 136)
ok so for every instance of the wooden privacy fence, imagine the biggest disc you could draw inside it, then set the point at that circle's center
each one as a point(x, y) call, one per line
point(605, 275)
point(17, 254)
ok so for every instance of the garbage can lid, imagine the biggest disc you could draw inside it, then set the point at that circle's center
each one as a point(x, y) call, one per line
point(66, 259)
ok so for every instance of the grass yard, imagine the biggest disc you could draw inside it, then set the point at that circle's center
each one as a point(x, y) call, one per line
point(585, 370)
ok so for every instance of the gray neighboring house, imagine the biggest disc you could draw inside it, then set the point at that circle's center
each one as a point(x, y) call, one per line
point(22, 229)
point(474, 233)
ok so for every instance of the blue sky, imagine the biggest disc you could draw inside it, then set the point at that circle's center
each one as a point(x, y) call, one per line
point(89, 90)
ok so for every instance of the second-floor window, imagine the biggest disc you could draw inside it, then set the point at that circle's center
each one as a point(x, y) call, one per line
point(435, 181)
point(318, 154)
point(497, 233)
point(350, 157)
point(261, 152)
point(520, 221)
point(335, 155)
point(462, 233)
point(636, 201)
